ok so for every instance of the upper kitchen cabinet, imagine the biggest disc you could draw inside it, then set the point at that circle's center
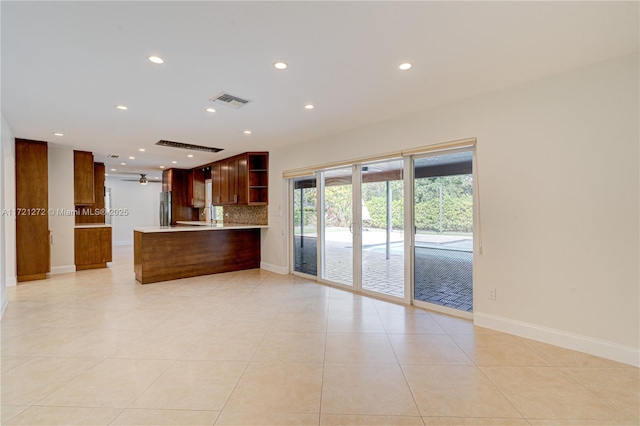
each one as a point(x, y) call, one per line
point(94, 213)
point(258, 178)
point(83, 178)
point(32, 210)
point(216, 196)
point(241, 180)
point(195, 187)
point(229, 181)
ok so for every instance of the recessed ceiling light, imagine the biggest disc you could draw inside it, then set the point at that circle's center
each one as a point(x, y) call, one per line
point(162, 167)
point(123, 164)
point(132, 158)
point(156, 177)
point(58, 134)
point(247, 132)
point(308, 106)
point(141, 150)
point(280, 65)
point(405, 66)
point(113, 170)
point(122, 107)
point(174, 162)
point(156, 59)
point(106, 174)
point(211, 110)
point(190, 155)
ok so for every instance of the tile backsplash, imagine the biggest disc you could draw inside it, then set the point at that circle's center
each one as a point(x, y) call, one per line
point(249, 215)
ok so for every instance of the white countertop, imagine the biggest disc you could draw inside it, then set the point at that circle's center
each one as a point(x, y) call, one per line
point(94, 225)
point(198, 227)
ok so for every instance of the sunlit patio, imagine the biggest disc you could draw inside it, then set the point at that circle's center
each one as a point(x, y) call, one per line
point(443, 264)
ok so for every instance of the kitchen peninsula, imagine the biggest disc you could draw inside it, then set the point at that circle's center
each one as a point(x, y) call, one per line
point(173, 252)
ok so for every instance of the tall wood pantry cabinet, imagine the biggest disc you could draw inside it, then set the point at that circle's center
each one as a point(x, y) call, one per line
point(33, 259)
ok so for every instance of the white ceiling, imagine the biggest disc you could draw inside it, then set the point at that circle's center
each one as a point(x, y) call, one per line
point(65, 65)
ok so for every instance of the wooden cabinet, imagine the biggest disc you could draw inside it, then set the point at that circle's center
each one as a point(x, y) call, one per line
point(33, 259)
point(162, 256)
point(216, 196)
point(177, 181)
point(242, 179)
point(229, 181)
point(94, 213)
point(83, 182)
point(241, 188)
point(195, 188)
point(257, 178)
point(92, 247)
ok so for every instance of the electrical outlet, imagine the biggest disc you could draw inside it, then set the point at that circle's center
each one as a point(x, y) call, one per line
point(492, 294)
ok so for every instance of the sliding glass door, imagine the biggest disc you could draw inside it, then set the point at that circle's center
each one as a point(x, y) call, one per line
point(383, 228)
point(337, 226)
point(353, 225)
point(305, 226)
point(443, 240)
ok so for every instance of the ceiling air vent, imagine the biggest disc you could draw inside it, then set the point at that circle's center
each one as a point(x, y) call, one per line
point(113, 156)
point(229, 100)
point(181, 145)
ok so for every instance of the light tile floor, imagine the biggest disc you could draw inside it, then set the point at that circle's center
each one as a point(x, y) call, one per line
point(252, 347)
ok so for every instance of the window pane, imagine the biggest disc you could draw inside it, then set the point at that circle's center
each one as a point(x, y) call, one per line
point(383, 227)
point(305, 225)
point(443, 214)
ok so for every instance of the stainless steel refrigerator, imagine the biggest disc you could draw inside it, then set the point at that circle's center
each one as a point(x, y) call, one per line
point(165, 208)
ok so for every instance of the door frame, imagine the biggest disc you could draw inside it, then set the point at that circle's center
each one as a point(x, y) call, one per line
point(409, 236)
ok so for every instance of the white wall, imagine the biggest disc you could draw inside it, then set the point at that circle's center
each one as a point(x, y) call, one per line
point(61, 197)
point(558, 162)
point(7, 222)
point(142, 202)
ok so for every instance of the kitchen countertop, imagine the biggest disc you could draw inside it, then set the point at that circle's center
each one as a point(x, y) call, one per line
point(198, 227)
point(94, 225)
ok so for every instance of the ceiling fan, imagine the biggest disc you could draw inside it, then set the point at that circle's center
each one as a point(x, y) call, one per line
point(143, 179)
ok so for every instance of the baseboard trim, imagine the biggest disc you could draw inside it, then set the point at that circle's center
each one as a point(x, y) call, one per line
point(123, 243)
point(443, 309)
point(62, 269)
point(282, 270)
point(613, 351)
point(12, 281)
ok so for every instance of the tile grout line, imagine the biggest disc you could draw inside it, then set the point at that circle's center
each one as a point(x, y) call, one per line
point(244, 370)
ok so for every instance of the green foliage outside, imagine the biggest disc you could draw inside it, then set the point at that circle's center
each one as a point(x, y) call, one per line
point(338, 209)
point(457, 204)
point(309, 203)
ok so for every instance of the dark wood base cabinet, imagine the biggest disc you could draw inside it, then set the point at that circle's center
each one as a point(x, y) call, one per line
point(163, 256)
point(92, 247)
